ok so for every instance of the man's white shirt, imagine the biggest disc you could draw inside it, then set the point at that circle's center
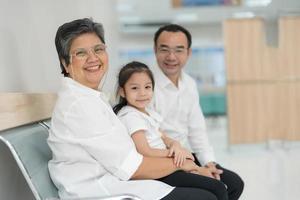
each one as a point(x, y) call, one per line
point(182, 116)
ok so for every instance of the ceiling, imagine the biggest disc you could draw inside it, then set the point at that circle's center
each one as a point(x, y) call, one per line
point(141, 16)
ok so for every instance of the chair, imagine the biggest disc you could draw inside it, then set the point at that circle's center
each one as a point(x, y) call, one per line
point(24, 151)
point(30, 150)
point(28, 146)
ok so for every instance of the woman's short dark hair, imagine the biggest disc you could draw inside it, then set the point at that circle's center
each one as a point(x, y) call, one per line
point(124, 75)
point(173, 28)
point(67, 32)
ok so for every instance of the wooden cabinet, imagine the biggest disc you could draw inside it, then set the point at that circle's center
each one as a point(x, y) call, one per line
point(263, 83)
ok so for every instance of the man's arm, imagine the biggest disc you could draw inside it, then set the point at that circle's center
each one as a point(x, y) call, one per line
point(197, 134)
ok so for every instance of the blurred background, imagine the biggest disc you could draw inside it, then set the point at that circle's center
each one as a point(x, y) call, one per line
point(268, 163)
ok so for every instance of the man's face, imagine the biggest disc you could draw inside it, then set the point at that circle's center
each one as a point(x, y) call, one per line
point(172, 53)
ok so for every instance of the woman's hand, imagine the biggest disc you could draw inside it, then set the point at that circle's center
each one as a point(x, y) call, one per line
point(179, 153)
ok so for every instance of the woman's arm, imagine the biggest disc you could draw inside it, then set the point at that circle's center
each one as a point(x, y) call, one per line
point(143, 147)
point(155, 162)
point(154, 168)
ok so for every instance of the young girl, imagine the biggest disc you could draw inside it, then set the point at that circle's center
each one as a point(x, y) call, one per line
point(135, 88)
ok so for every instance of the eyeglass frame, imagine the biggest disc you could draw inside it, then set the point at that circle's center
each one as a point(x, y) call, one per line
point(88, 51)
point(168, 50)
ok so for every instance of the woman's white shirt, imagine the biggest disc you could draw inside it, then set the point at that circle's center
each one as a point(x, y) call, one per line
point(93, 155)
point(135, 120)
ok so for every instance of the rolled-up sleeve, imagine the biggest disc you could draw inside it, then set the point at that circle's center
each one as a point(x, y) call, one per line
point(129, 165)
point(95, 127)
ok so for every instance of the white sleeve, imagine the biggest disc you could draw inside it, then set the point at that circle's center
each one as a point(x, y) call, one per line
point(197, 135)
point(133, 122)
point(101, 134)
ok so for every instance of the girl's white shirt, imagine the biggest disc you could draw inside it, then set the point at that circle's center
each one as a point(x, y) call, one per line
point(93, 155)
point(135, 120)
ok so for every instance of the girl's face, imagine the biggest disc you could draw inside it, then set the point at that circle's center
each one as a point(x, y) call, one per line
point(138, 90)
point(89, 60)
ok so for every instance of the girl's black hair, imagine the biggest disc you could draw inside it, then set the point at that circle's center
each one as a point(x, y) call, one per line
point(125, 74)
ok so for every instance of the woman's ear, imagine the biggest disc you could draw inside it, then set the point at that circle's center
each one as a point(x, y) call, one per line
point(121, 92)
point(65, 65)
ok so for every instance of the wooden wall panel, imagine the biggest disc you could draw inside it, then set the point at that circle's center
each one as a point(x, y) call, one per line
point(263, 88)
point(246, 38)
point(21, 108)
point(283, 118)
point(291, 106)
point(250, 113)
point(270, 64)
point(289, 47)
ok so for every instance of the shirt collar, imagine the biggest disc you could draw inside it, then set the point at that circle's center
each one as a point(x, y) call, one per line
point(152, 114)
point(74, 85)
point(163, 81)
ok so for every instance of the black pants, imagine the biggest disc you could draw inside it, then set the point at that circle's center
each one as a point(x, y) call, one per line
point(208, 187)
point(180, 193)
point(233, 181)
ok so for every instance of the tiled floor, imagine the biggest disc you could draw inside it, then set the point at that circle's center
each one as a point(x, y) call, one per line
point(270, 171)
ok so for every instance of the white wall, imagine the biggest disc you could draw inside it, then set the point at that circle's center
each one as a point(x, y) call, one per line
point(203, 34)
point(28, 59)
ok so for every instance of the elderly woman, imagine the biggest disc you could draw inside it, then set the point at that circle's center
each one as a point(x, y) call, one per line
point(93, 155)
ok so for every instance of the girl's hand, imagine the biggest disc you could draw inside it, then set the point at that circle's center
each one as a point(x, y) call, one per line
point(180, 154)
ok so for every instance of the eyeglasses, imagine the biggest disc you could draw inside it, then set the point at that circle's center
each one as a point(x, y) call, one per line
point(83, 54)
point(167, 50)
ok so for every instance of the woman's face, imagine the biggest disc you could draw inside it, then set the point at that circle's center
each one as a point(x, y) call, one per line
point(89, 60)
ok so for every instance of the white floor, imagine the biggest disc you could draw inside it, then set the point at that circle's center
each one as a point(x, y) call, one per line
point(271, 171)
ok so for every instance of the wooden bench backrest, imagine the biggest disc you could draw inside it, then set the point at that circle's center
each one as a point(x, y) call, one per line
point(22, 108)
